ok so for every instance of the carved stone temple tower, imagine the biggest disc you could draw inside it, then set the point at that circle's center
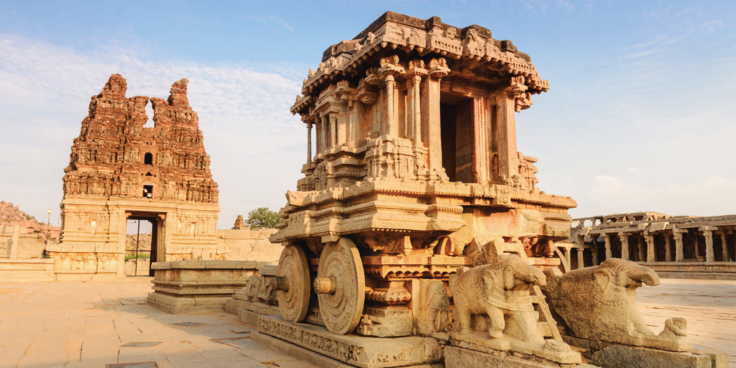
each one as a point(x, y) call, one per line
point(120, 170)
point(415, 173)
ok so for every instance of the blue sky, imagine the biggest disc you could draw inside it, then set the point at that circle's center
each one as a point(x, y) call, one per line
point(640, 115)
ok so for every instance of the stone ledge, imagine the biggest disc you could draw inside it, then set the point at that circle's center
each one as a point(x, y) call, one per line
point(360, 351)
point(463, 358)
point(208, 265)
point(615, 356)
point(174, 305)
point(28, 260)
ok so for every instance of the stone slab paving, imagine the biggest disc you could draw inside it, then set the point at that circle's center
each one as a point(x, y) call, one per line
point(86, 324)
point(93, 324)
point(708, 305)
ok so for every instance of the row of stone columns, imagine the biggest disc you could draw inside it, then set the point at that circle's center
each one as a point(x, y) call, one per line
point(677, 235)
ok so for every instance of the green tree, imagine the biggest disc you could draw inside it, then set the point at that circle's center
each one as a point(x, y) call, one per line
point(263, 217)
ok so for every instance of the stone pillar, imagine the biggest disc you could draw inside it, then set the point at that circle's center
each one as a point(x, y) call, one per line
point(409, 120)
point(640, 249)
point(594, 253)
point(333, 130)
point(695, 241)
point(724, 245)
point(581, 259)
point(323, 128)
point(431, 132)
point(309, 143)
point(651, 252)
point(508, 156)
point(624, 246)
point(708, 234)
point(481, 149)
point(667, 248)
point(392, 125)
point(13, 251)
point(679, 253)
point(417, 111)
point(607, 239)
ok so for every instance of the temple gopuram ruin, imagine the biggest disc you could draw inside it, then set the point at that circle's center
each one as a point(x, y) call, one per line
point(674, 246)
point(120, 170)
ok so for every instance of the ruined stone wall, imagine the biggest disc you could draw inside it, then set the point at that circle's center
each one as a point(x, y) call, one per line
point(249, 245)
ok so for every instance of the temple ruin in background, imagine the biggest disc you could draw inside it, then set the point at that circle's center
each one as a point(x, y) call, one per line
point(120, 170)
point(674, 246)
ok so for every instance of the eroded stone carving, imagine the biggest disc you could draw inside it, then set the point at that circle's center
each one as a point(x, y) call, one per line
point(500, 291)
point(599, 303)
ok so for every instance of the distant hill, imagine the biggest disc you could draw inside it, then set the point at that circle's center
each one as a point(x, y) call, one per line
point(144, 242)
point(12, 215)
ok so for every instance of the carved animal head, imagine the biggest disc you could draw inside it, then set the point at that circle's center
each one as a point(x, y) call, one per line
point(624, 273)
point(510, 272)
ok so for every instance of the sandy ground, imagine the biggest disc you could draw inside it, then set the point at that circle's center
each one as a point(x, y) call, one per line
point(708, 305)
point(92, 324)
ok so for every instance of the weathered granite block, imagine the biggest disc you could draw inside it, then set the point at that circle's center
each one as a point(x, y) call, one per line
point(615, 356)
point(463, 358)
point(197, 286)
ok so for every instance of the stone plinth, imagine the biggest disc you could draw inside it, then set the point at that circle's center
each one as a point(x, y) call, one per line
point(197, 286)
point(463, 358)
point(695, 270)
point(26, 270)
point(615, 356)
point(359, 351)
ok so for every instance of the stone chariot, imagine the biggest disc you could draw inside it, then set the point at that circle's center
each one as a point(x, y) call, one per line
point(416, 174)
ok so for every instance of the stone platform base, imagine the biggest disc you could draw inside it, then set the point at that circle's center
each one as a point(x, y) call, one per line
point(312, 357)
point(354, 350)
point(694, 270)
point(26, 270)
point(620, 356)
point(609, 355)
point(250, 315)
point(463, 358)
point(186, 305)
point(233, 306)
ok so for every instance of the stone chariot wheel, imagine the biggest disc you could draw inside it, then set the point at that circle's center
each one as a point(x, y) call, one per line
point(293, 284)
point(340, 286)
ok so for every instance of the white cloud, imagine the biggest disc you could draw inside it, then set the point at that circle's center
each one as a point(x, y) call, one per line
point(256, 146)
point(270, 21)
point(712, 196)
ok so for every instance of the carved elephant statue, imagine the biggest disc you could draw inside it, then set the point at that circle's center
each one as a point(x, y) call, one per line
point(501, 291)
point(599, 303)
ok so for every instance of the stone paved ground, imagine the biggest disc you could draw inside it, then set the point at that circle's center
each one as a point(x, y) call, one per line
point(92, 324)
point(77, 324)
point(708, 305)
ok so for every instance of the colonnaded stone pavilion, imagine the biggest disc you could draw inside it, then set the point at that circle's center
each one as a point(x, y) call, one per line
point(674, 246)
point(418, 234)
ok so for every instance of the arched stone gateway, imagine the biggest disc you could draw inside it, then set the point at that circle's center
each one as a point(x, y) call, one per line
point(120, 170)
